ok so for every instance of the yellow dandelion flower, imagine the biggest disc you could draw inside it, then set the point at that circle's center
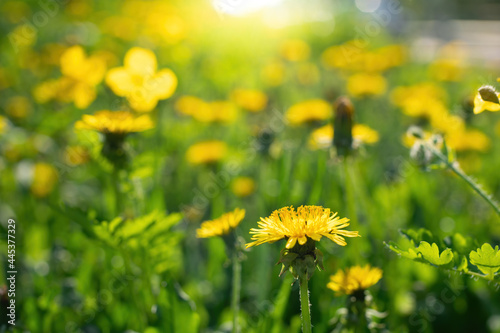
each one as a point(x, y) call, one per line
point(273, 73)
point(322, 137)
point(243, 186)
point(81, 75)
point(421, 100)
point(468, 140)
point(480, 105)
point(190, 105)
point(295, 50)
point(115, 122)
point(307, 73)
point(221, 226)
point(447, 70)
point(365, 84)
point(139, 81)
point(3, 124)
point(298, 225)
point(249, 99)
point(76, 65)
point(354, 279)
point(222, 111)
point(308, 111)
point(44, 179)
point(206, 152)
point(76, 155)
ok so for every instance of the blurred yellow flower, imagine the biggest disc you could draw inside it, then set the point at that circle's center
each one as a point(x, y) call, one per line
point(18, 107)
point(353, 56)
point(206, 152)
point(468, 140)
point(420, 100)
point(76, 155)
point(249, 99)
point(115, 122)
point(446, 70)
point(3, 124)
point(295, 50)
point(273, 73)
point(307, 73)
point(139, 81)
point(81, 74)
point(207, 112)
point(243, 186)
point(323, 137)
point(298, 225)
point(44, 179)
point(222, 225)
point(308, 111)
point(364, 84)
point(354, 279)
point(480, 105)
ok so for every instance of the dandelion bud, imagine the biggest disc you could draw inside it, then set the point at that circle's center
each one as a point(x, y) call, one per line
point(343, 122)
point(489, 94)
point(416, 132)
point(420, 154)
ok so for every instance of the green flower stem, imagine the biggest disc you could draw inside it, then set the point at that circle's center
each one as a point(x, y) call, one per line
point(235, 302)
point(453, 165)
point(349, 194)
point(116, 188)
point(304, 305)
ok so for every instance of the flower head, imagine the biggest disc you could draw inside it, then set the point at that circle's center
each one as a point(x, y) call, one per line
point(295, 50)
point(206, 152)
point(308, 111)
point(365, 84)
point(206, 112)
point(221, 226)
point(486, 99)
point(139, 81)
point(44, 179)
point(297, 226)
point(81, 75)
point(354, 279)
point(248, 99)
point(115, 122)
point(243, 186)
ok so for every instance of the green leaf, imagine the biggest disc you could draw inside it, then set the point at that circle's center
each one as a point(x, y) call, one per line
point(431, 254)
point(419, 235)
point(410, 253)
point(486, 259)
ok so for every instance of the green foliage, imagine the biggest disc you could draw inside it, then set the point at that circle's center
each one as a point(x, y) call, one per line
point(450, 254)
point(149, 235)
point(486, 259)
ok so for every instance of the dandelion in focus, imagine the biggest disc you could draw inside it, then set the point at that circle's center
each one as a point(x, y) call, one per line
point(307, 223)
